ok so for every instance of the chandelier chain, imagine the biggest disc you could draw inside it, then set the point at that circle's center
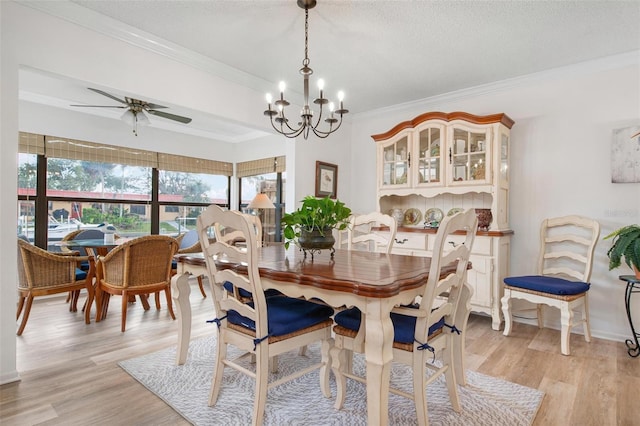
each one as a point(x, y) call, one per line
point(305, 61)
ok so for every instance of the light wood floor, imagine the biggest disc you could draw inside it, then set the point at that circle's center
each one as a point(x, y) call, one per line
point(70, 374)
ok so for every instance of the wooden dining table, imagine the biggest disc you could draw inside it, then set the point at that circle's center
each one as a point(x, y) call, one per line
point(372, 282)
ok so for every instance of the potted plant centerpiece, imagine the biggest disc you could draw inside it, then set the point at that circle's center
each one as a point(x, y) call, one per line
point(311, 226)
point(626, 243)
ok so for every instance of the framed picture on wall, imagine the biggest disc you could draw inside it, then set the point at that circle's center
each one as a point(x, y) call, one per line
point(326, 180)
point(625, 155)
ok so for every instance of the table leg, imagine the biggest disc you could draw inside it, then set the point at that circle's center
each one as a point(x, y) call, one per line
point(180, 291)
point(379, 354)
point(632, 349)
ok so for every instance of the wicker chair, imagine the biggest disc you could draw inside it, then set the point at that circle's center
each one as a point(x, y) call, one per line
point(141, 266)
point(41, 273)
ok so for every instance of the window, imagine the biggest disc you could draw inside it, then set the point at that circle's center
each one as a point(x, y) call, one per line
point(266, 176)
point(139, 210)
point(89, 183)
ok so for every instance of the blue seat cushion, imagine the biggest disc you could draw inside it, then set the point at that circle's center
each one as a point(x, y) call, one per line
point(286, 315)
point(84, 265)
point(174, 264)
point(551, 285)
point(404, 326)
point(80, 274)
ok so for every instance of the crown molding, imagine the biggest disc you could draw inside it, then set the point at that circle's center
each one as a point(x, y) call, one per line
point(110, 27)
point(581, 68)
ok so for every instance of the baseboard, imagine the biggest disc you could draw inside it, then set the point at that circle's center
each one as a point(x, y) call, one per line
point(10, 377)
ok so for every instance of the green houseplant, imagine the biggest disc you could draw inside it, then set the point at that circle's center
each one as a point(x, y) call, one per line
point(626, 243)
point(311, 225)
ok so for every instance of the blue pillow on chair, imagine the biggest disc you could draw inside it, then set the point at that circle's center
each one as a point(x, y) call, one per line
point(550, 285)
point(404, 326)
point(286, 315)
point(81, 274)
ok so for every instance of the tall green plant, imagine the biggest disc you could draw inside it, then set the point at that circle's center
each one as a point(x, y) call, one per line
point(626, 243)
point(315, 214)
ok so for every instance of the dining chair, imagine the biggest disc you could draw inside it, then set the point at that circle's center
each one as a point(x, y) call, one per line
point(563, 275)
point(422, 331)
point(137, 267)
point(265, 326)
point(361, 234)
point(42, 273)
point(79, 234)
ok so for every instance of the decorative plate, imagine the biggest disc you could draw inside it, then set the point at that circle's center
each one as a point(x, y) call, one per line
point(412, 217)
point(433, 215)
point(454, 211)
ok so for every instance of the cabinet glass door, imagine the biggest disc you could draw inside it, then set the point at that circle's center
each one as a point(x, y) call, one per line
point(504, 158)
point(395, 163)
point(468, 156)
point(429, 156)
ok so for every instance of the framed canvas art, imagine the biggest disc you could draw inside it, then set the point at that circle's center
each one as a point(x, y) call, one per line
point(625, 155)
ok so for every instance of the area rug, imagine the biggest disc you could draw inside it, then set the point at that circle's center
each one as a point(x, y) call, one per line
point(485, 400)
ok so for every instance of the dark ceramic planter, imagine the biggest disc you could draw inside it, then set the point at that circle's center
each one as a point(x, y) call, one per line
point(316, 239)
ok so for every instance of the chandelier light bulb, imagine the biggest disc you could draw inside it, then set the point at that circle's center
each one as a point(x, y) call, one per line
point(341, 96)
point(269, 98)
point(282, 86)
point(320, 84)
point(332, 107)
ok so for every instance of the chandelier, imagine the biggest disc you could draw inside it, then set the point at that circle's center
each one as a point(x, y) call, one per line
point(279, 120)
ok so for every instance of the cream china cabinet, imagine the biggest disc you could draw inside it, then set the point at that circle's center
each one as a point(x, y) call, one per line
point(447, 161)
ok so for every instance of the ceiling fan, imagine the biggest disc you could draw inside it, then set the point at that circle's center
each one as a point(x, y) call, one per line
point(136, 108)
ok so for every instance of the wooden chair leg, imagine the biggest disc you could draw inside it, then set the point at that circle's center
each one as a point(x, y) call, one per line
point(218, 371)
point(25, 315)
point(585, 318)
point(73, 302)
point(144, 298)
point(125, 305)
point(157, 297)
point(167, 293)
point(506, 312)
point(566, 319)
point(20, 306)
point(204, 295)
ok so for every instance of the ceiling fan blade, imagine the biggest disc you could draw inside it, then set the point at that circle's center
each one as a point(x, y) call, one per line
point(174, 117)
point(102, 106)
point(108, 95)
point(155, 106)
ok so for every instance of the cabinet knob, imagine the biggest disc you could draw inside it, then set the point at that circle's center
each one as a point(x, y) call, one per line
point(401, 242)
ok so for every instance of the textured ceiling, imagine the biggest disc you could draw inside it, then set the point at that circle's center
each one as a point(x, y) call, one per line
point(384, 53)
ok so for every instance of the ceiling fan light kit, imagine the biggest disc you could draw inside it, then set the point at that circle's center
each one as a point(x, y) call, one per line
point(279, 120)
point(135, 114)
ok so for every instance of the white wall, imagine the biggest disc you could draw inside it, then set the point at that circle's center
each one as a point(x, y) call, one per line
point(560, 162)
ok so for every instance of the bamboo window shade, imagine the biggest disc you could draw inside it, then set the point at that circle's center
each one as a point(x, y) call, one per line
point(180, 163)
point(261, 166)
point(73, 149)
point(31, 143)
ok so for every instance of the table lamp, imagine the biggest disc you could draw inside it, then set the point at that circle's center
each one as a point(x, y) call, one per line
point(261, 201)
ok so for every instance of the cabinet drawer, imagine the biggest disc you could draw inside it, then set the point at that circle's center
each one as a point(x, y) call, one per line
point(410, 241)
point(481, 245)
